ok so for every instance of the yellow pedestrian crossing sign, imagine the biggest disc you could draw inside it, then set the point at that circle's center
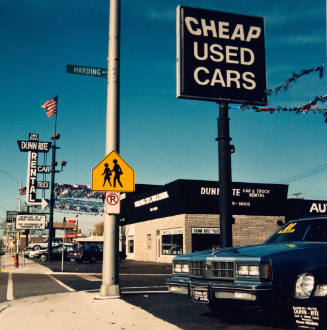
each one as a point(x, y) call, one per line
point(113, 174)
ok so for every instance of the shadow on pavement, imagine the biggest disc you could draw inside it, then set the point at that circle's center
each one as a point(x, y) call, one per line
point(184, 313)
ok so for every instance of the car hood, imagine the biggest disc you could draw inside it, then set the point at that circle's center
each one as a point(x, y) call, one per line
point(266, 249)
point(255, 251)
point(198, 254)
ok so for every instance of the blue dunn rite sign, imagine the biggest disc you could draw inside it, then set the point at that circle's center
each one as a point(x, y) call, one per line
point(220, 56)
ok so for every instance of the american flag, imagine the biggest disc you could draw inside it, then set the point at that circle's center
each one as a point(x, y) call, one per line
point(22, 191)
point(50, 106)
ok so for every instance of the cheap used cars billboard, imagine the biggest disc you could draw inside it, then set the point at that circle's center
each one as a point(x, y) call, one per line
point(220, 56)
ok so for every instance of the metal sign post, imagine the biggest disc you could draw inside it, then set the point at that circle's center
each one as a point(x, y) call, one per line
point(225, 176)
point(63, 244)
point(110, 270)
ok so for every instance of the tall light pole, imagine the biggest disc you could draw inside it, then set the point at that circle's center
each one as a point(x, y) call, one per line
point(110, 270)
point(52, 201)
point(63, 163)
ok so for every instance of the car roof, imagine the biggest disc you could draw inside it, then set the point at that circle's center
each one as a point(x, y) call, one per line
point(309, 219)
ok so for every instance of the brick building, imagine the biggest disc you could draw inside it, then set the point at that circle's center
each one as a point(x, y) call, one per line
point(183, 216)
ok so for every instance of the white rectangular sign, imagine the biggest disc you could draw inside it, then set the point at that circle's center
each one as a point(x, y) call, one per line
point(112, 202)
point(30, 221)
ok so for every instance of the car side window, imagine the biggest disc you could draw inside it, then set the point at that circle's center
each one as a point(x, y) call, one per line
point(317, 233)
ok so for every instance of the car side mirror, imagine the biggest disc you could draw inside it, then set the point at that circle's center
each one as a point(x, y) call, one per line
point(280, 223)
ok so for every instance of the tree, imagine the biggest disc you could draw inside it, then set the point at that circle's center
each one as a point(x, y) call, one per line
point(98, 229)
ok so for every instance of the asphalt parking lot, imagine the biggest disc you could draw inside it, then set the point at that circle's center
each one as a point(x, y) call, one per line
point(125, 266)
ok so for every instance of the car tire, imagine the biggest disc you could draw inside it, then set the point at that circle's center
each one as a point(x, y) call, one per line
point(36, 247)
point(43, 257)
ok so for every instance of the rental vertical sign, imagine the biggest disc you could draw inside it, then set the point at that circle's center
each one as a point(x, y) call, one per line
point(220, 56)
point(33, 146)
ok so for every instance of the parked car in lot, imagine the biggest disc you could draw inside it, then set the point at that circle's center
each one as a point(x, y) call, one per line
point(259, 275)
point(30, 253)
point(89, 252)
point(42, 254)
point(44, 245)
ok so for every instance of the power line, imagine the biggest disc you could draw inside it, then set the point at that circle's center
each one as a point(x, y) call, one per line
point(10, 176)
point(304, 175)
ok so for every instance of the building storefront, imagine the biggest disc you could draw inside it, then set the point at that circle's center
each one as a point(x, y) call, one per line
point(183, 217)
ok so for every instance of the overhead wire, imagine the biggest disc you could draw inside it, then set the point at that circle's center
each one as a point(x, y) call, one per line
point(303, 175)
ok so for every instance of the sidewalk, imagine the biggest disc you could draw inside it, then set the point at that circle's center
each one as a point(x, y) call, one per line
point(79, 310)
point(76, 311)
point(25, 265)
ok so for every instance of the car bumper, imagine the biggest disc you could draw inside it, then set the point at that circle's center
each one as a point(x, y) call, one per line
point(179, 284)
point(257, 293)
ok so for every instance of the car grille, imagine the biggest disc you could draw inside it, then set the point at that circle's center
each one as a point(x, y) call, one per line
point(196, 268)
point(222, 270)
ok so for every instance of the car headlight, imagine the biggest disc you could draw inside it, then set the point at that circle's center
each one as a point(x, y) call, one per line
point(185, 268)
point(304, 286)
point(247, 270)
point(181, 268)
point(177, 268)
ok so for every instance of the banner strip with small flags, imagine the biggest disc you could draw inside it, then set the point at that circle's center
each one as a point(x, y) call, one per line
point(295, 76)
point(311, 106)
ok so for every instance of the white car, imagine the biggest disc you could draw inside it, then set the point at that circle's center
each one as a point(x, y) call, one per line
point(44, 245)
point(34, 253)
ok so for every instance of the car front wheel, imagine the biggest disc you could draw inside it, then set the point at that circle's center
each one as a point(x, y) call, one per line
point(36, 248)
point(43, 258)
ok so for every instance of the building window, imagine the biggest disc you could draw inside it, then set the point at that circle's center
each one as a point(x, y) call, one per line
point(172, 241)
point(148, 238)
point(131, 246)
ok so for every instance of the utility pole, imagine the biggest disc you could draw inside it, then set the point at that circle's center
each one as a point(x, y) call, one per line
point(110, 267)
point(52, 201)
point(225, 176)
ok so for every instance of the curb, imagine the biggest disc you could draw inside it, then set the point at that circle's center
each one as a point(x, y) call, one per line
point(4, 270)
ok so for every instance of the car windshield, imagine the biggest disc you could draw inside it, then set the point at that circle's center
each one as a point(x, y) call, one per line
point(312, 231)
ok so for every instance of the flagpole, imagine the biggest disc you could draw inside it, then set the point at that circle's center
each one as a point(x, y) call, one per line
point(55, 126)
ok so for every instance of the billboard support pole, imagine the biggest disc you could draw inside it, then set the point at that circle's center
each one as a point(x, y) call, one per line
point(225, 176)
point(110, 267)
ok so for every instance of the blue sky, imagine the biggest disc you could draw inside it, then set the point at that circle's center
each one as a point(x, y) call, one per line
point(162, 138)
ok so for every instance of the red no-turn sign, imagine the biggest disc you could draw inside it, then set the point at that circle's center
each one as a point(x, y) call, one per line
point(112, 202)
